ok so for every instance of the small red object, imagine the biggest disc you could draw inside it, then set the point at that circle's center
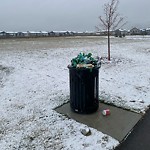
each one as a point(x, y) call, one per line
point(106, 112)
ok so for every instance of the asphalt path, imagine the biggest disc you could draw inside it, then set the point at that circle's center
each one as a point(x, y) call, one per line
point(139, 139)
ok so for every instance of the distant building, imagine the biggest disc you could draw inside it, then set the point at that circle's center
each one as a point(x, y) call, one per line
point(19, 34)
point(143, 32)
point(148, 31)
point(67, 33)
point(72, 33)
point(103, 32)
point(34, 34)
point(135, 31)
point(26, 34)
point(121, 33)
point(44, 33)
point(57, 33)
point(3, 34)
point(52, 33)
point(10, 34)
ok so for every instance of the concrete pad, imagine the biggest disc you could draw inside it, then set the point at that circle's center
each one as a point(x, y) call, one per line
point(118, 124)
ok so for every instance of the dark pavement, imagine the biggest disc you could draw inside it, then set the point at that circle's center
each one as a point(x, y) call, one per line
point(139, 139)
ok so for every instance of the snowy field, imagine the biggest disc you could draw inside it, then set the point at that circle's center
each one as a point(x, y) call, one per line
point(34, 80)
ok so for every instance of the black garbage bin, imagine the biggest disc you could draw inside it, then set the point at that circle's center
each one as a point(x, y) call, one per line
point(84, 89)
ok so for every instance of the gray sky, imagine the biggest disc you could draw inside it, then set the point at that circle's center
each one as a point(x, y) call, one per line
point(71, 15)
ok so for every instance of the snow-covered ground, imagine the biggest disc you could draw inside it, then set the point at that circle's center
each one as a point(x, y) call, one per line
point(34, 80)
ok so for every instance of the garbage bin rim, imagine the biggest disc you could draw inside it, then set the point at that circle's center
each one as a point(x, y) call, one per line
point(83, 68)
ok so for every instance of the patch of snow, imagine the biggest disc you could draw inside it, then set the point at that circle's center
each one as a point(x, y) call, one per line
point(39, 82)
point(138, 37)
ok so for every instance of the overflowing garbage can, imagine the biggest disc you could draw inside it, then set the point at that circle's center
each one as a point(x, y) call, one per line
point(84, 83)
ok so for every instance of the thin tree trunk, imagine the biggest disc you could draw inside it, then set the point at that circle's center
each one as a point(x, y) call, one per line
point(108, 44)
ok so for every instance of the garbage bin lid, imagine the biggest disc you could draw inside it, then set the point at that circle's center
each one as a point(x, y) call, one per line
point(83, 68)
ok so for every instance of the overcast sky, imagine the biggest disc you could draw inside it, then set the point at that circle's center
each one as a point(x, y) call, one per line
point(71, 15)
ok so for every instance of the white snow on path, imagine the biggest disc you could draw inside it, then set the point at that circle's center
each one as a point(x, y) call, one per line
point(34, 82)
